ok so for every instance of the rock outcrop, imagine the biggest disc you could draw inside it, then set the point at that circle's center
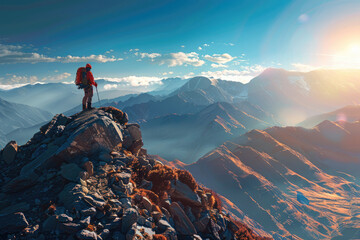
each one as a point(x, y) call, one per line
point(88, 177)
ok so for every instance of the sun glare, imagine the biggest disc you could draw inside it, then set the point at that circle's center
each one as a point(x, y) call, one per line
point(354, 49)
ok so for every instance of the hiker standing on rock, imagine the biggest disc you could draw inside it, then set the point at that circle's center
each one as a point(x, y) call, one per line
point(85, 80)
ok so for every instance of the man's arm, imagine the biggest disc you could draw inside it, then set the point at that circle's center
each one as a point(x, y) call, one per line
point(90, 77)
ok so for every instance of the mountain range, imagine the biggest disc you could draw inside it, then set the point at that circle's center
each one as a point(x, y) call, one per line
point(349, 113)
point(263, 172)
point(86, 177)
point(190, 136)
point(294, 96)
point(14, 115)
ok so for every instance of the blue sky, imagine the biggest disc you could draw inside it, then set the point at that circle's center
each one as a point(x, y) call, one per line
point(45, 41)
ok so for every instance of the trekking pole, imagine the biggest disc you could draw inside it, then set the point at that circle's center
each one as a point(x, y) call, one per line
point(98, 96)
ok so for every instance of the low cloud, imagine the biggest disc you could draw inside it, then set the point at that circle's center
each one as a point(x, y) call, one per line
point(110, 86)
point(213, 65)
point(11, 54)
point(219, 58)
point(91, 58)
point(56, 78)
point(16, 79)
point(244, 75)
point(134, 81)
point(173, 59)
point(167, 73)
point(181, 58)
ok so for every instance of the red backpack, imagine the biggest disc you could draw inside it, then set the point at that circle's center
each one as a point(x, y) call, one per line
point(81, 76)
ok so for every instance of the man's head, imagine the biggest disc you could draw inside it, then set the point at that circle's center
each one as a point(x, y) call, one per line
point(88, 67)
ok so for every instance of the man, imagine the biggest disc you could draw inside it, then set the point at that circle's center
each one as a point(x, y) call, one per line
point(88, 81)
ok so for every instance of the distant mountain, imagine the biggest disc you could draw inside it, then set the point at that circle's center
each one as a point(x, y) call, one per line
point(23, 134)
point(205, 91)
point(294, 96)
point(3, 139)
point(349, 113)
point(119, 102)
point(57, 97)
point(263, 173)
point(13, 116)
point(190, 136)
point(168, 85)
point(171, 105)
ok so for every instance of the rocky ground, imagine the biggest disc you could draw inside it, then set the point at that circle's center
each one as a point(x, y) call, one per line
point(87, 177)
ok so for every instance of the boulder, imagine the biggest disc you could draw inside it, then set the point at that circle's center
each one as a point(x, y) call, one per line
point(86, 235)
point(118, 236)
point(129, 218)
point(163, 225)
point(64, 218)
point(124, 177)
point(131, 234)
point(90, 132)
point(89, 167)
point(104, 234)
point(146, 203)
point(49, 224)
point(88, 212)
point(183, 224)
point(70, 228)
point(85, 222)
point(181, 192)
point(9, 152)
point(97, 203)
point(71, 194)
point(13, 222)
point(70, 172)
point(17, 207)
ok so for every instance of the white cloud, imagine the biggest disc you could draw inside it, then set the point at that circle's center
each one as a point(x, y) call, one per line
point(91, 58)
point(181, 58)
point(16, 79)
point(182, 46)
point(206, 45)
point(218, 65)
point(11, 86)
point(110, 51)
point(134, 50)
point(219, 58)
point(245, 75)
point(150, 55)
point(110, 86)
point(167, 73)
point(200, 48)
point(10, 54)
point(56, 78)
point(189, 75)
point(134, 80)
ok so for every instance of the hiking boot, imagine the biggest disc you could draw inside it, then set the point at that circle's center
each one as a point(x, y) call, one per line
point(89, 106)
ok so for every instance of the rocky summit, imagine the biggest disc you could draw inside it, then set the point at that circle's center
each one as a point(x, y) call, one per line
point(87, 177)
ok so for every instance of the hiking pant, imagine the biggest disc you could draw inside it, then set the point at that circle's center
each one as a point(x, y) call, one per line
point(88, 95)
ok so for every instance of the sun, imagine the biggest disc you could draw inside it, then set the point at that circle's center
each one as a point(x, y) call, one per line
point(354, 49)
